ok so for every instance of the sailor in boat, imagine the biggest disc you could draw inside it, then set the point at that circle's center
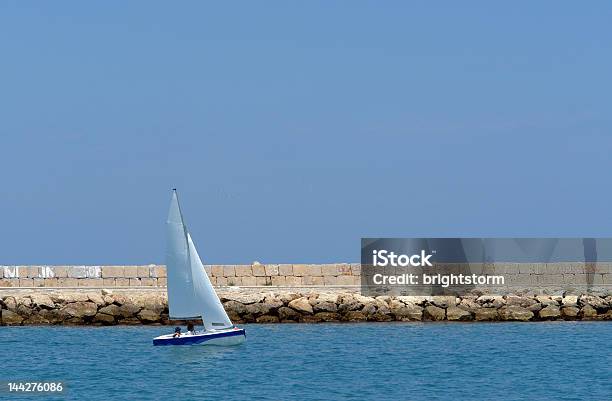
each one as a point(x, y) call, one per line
point(190, 329)
point(177, 332)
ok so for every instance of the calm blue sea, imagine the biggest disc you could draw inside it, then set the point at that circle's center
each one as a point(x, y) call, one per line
point(387, 361)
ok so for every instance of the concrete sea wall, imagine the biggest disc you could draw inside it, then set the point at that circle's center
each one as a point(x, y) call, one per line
point(106, 307)
point(550, 276)
point(344, 274)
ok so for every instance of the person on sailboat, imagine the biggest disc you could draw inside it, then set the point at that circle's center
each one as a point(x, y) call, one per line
point(177, 332)
point(190, 329)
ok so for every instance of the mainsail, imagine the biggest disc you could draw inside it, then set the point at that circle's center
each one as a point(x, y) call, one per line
point(190, 293)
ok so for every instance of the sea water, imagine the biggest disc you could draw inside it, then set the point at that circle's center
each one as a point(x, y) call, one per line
point(387, 361)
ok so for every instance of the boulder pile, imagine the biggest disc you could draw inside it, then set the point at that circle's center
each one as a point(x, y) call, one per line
point(108, 308)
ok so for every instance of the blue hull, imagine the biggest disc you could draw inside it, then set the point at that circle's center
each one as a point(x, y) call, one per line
point(231, 337)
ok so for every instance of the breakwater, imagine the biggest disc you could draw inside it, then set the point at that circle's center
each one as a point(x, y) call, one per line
point(305, 293)
point(107, 307)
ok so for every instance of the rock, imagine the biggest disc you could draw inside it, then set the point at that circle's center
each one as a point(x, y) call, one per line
point(456, 313)
point(68, 297)
point(309, 319)
point(112, 310)
point(233, 306)
point(57, 297)
point(524, 302)
point(558, 297)
point(536, 306)
point(596, 302)
point(51, 315)
point(36, 319)
point(587, 312)
point(546, 300)
point(325, 306)
point(327, 297)
point(434, 313)
point(498, 303)
point(301, 305)
point(24, 301)
point(382, 307)
point(484, 314)
point(363, 300)
point(130, 321)
point(96, 298)
point(405, 313)
point(104, 318)
point(606, 316)
point(244, 299)
point(10, 318)
point(328, 316)
point(287, 297)
point(106, 292)
point(155, 303)
point(119, 299)
point(285, 313)
point(442, 301)
point(10, 303)
point(267, 319)
point(79, 309)
point(491, 301)
point(258, 309)
point(128, 309)
point(570, 300)
point(550, 312)
point(273, 302)
point(42, 300)
point(354, 316)
point(469, 304)
point(25, 311)
point(369, 309)
point(514, 312)
point(570, 312)
point(414, 300)
point(248, 318)
point(234, 317)
point(349, 303)
point(380, 317)
point(74, 321)
point(148, 316)
point(396, 304)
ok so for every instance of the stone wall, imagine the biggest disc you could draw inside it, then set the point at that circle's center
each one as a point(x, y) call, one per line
point(554, 276)
point(112, 307)
point(278, 275)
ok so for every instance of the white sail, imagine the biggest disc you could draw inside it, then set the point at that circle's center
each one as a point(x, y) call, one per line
point(212, 312)
point(190, 293)
point(180, 283)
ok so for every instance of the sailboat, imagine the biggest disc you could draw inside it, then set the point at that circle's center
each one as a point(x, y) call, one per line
point(190, 292)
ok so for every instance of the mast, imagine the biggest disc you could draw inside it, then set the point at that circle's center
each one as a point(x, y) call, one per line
point(190, 292)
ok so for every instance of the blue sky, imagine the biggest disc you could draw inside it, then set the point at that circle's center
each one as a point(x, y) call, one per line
point(292, 129)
